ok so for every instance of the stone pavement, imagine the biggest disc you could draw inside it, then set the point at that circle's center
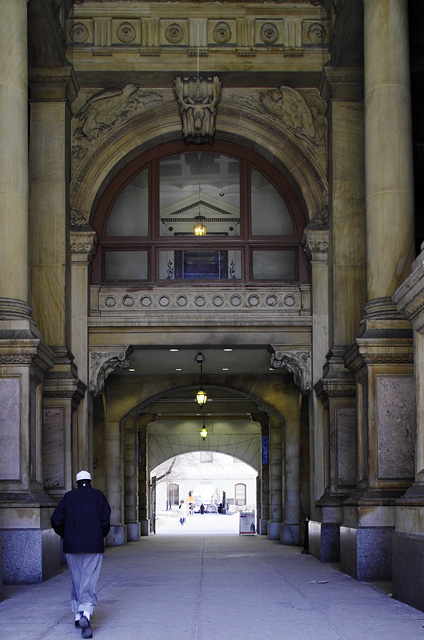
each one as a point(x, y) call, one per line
point(194, 583)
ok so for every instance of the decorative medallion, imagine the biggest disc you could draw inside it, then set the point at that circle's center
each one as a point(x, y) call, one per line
point(316, 33)
point(126, 32)
point(222, 32)
point(269, 33)
point(78, 33)
point(174, 33)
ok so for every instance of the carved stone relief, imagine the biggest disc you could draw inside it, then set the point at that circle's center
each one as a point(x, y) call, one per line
point(302, 113)
point(105, 110)
point(297, 362)
point(198, 98)
point(102, 363)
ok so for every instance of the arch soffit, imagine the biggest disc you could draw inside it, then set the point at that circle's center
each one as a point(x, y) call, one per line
point(157, 126)
point(202, 450)
point(262, 404)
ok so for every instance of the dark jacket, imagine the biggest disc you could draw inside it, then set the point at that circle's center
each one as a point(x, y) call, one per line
point(82, 519)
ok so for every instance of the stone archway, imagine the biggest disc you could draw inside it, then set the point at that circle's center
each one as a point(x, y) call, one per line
point(270, 425)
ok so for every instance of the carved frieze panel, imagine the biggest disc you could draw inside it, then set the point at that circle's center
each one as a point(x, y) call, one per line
point(292, 33)
point(290, 301)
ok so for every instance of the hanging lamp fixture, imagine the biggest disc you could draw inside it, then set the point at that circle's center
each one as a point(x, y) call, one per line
point(201, 396)
point(199, 228)
point(204, 431)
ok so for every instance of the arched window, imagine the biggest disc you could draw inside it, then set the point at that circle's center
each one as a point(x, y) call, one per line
point(173, 495)
point(240, 494)
point(249, 218)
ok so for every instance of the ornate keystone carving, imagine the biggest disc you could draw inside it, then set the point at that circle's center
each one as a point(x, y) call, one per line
point(297, 362)
point(102, 363)
point(198, 98)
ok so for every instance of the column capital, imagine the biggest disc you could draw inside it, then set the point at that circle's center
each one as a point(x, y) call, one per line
point(53, 83)
point(83, 245)
point(342, 83)
point(316, 238)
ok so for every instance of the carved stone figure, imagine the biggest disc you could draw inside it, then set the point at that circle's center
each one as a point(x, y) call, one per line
point(198, 98)
point(110, 107)
point(302, 114)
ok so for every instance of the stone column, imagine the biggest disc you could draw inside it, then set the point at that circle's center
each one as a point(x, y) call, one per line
point(52, 90)
point(381, 356)
point(290, 527)
point(408, 543)
point(14, 164)
point(275, 478)
point(316, 247)
point(83, 244)
point(143, 474)
point(264, 515)
point(24, 358)
point(343, 92)
point(131, 448)
point(388, 149)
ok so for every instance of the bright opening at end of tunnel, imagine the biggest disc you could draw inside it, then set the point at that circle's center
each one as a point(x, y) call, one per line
point(201, 493)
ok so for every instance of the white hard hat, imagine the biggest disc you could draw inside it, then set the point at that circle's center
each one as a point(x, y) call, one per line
point(83, 475)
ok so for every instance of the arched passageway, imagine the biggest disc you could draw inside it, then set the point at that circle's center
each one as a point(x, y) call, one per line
point(265, 427)
point(211, 484)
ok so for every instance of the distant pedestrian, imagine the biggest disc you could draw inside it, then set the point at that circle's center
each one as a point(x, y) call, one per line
point(82, 519)
point(183, 512)
point(202, 508)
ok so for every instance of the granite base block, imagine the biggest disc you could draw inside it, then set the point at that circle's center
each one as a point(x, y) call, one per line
point(30, 555)
point(324, 541)
point(117, 535)
point(408, 569)
point(273, 530)
point(144, 527)
point(263, 527)
point(133, 531)
point(1, 570)
point(366, 553)
point(290, 534)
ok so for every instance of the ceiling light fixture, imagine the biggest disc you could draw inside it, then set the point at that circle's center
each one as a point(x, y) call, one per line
point(201, 396)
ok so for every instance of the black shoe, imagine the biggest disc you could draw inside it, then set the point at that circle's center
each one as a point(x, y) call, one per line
point(77, 623)
point(84, 623)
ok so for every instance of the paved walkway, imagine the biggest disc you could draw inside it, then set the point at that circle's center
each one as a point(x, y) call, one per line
point(193, 583)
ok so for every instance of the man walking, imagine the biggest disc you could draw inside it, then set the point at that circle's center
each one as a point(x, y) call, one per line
point(82, 519)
